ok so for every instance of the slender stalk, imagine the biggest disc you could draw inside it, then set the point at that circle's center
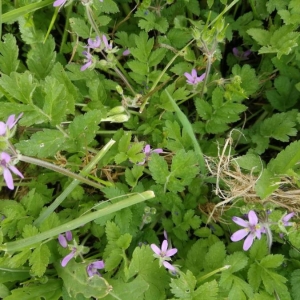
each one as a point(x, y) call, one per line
point(45, 214)
point(41, 163)
point(31, 241)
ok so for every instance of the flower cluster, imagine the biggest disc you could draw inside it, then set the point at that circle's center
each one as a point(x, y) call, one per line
point(96, 44)
point(92, 268)
point(253, 229)
point(164, 254)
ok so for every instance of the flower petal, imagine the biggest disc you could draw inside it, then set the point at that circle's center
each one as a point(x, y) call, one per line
point(62, 240)
point(8, 178)
point(253, 220)
point(69, 236)
point(288, 217)
point(239, 235)
point(99, 264)
point(155, 249)
point(240, 222)
point(167, 265)
point(147, 149)
point(171, 252)
point(248, 242)
point(16, 171)
point(68, 258)
point(159, 150)
point(164, 246)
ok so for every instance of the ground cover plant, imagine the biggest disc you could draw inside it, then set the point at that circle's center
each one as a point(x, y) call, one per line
point(149, 149)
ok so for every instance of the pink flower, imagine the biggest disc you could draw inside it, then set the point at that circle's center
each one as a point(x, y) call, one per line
point(164, 254)
point(252, 230)
point(93, 44)
point(147, 150)
point(10, 123)
point(88, 60)
point(7, 168)
point(59, 3)
point(192, 78)
point(63, 240)
point(285, 219)
point(94, 266)
point(240, 54)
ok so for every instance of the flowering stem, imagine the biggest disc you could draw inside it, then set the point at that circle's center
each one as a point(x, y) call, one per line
point(162, 74)
point(45, 214)
point(120, 74)
point(26, 242)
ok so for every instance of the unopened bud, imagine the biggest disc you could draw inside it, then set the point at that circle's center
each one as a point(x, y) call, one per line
point(116, 110)
point(119, 89)
point(120, 118)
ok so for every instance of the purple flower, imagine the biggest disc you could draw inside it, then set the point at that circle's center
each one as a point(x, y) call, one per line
point(88, 60)
point(252, 230)
point(93, 44)
point(7, 167)
point(59, 3)
point(285, 219)
point(241, 55)
point(108, 46)
point(126, 52)
point(10, 123)
point(94, 266)
point(147, 150)
point(164, 254)
point(192, 78)
point(63, 240)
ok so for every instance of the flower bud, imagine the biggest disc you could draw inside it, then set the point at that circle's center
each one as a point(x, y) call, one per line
point(119, 89)
point(120, 118)
point(116, 110)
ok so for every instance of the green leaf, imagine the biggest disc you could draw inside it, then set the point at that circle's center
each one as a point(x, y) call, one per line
point(76, 281)
point(39, 260)
point(280, 126)
point(295, 279)
point(207, 291)
point(18, 86)
point(158, 168)
point(237, 261)
point(262, 36)
point(9, 52)
point(143, 266)
point(143, 47)
point(51, 290)
point(82, 130)
point(183, 287)
point(42, 144)
point(272, 261)
point(41, 58)
point(285, 94)
point(108, 7)
point(156, 57)
point(215, 256)
point(133, 290)
point(132, 176)
point(80, 27)
point(286, 160)
point(19, 259)
point(55, 101)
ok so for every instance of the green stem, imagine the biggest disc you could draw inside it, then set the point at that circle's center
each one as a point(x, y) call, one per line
point(30, 241)
point(65, 32)
point(41, 163)
point(199, 279)
point(189, 129)
point(0, 20)
point(45, 214)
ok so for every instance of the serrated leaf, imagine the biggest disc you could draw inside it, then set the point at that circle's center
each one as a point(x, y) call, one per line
point(183, 287)
point(158, 168)
point(272, 261)
point(9, 52)
point(39, 260)
point(83, 130)
point(132, 176)
point(207, 291)
point(237, 261)
point(79, 27)
point(29, 230)
point(156, 57)
point(215, 256)
point(55, 101)
point(18, 86)
point(41, 58)
point(295, 280)
point(19, 259)
point(143, 265)
point(262, 36)
point(143, 47)
point(42, 144)
point(51, 290)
